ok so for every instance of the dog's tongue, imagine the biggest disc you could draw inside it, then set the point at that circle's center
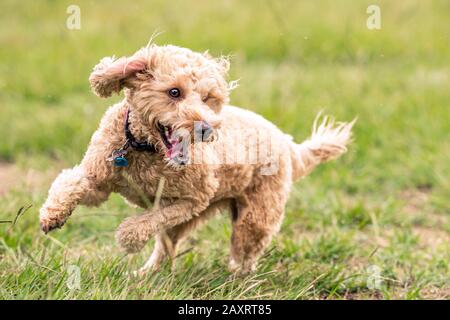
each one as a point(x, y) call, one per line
point(176, 150)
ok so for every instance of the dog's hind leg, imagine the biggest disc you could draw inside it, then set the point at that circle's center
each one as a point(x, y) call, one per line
point(166, 246)
point(257, 217)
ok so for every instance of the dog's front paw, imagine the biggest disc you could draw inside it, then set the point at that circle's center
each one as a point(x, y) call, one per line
point(132, 234)
point(51, 219)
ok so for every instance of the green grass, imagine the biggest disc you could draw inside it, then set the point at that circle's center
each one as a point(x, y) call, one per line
point(383, 204)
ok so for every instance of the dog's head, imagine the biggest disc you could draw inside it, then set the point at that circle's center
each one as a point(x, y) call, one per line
point(175, 92)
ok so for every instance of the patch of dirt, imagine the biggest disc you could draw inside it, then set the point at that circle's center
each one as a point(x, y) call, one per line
point(8, 177)
point(416, 206)
point(428, 237)
point(11, 176)
point(363, 295)
point(431, 237)
point(415, 199)
point(433, 293)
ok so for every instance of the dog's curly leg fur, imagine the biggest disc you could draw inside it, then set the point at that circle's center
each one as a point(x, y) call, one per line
point(70, 188)
point(257, 219)
point(134, 232)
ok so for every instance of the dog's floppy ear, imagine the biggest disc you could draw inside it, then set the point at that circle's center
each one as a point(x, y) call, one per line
point(110, 74)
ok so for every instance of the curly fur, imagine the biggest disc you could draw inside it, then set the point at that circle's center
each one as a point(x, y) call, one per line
point(201, 188)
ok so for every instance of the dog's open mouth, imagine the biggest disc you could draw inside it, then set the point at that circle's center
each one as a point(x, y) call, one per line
point(176, 147)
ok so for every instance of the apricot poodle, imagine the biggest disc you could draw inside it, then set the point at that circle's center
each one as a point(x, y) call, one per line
point(175, 126)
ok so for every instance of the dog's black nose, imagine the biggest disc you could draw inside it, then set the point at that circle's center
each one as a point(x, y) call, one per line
point(202, 131)
point(206, 130)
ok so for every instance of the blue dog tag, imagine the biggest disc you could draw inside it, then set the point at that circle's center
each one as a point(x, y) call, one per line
point(120, 161)
point(118, 156)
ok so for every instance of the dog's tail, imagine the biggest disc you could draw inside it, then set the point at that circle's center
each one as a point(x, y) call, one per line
point(328, 141)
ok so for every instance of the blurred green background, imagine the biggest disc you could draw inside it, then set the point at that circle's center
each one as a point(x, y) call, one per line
point(385, 203)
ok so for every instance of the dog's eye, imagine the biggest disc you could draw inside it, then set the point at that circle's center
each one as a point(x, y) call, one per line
point(175, 93)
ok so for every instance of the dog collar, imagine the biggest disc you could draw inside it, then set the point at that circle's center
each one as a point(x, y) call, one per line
point(118, 155)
